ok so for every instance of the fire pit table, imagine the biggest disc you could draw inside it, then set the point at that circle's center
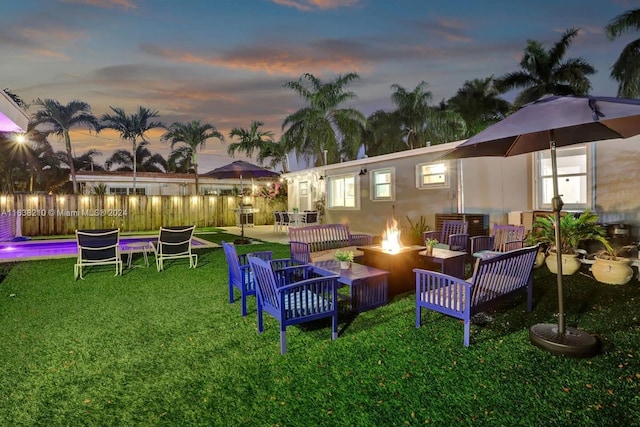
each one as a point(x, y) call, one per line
point(399, 263)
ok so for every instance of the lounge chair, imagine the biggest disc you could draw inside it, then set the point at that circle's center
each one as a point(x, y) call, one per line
point(97, 247)
point(174, 243)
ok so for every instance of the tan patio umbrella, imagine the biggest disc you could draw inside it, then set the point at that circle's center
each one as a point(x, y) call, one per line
point(551, 122)
point(239, 170)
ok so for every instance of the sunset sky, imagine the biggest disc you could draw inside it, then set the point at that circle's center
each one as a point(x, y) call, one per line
point(225, 61)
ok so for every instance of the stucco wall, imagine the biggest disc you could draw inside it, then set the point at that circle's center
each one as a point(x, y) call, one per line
point(617, 173)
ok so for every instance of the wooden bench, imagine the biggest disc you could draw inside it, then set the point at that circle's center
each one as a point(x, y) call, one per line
point(320, 242)
point(494, 279)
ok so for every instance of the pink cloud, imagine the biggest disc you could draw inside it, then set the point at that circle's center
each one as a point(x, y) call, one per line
point(106, 4)
point(307, 5)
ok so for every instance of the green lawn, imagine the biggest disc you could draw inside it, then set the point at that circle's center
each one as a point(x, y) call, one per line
point(167, 348)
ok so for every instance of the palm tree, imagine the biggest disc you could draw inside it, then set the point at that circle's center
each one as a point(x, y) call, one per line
point(545, 72)
point(145, 160)
point(132, 127)
point(86, 161)
point(189, 137)
point(62, 118)
point(321, 125)
point(249, 139)
point(626, 70)
point(413, 110)
point(478, 103)
point(276, 152)
point(383, 133)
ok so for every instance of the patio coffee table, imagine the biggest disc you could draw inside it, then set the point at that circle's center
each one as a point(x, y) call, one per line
point(451, 262)
point(367, 285)
point(130, 248)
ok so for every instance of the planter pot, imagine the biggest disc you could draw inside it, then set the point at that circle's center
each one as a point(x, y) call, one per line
point(615, 271)
point(345, 265)
point(429, 250)
point(570, 263)
point(540, 257)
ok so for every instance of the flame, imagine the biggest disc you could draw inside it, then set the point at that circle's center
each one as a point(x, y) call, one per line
point(391, 237)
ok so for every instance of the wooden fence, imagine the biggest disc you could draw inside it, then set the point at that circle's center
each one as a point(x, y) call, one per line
point(49, 215)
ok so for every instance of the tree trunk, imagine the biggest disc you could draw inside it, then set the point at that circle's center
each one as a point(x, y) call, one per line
point(72, 167)
point(135, 165)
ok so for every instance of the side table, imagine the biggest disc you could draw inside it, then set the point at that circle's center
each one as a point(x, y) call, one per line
point(130, 248)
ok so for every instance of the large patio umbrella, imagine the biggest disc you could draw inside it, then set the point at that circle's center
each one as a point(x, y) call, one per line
point(239, 170)
point(551, 122)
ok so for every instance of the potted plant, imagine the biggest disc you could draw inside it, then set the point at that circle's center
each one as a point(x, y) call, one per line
point(345, 258)
point(531, 240)
point(613, 265)
point(430, 244)
point(573, 232)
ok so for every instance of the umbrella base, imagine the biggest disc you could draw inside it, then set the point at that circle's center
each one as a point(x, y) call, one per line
point(242, 241)
point(573, 343)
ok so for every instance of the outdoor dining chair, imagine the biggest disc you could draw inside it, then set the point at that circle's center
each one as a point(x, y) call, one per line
point(277, 221)
point(296, 302)
point(97, 247)
point(310, 218)
point(174, 243)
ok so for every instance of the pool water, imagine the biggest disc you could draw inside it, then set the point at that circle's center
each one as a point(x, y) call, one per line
point(30, 250)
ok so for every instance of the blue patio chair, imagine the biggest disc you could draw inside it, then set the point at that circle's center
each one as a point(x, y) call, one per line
point(240, 276)
point(505, 238)
point(296, 302)
point(454, 234)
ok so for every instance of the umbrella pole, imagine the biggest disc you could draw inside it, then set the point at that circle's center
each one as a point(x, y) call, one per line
point(241, 209)
point(558, 339)
point(557, 204)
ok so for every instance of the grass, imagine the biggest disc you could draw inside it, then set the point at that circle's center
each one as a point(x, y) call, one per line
point(167, 348)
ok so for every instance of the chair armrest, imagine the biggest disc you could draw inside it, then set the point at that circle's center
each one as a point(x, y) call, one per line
point(481, 243)
point(300, 252)
point(281, 263)
point(458, 242)
point(434, 235)
point(295, 273)
point(513, 244)
point(264, 255)
point(360, 239)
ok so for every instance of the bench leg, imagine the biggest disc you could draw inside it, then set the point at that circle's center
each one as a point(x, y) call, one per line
point(283, 339)
point(467, 331)
point(334, 326)
point(260, 322)
point(244, 304)
point(418, 314)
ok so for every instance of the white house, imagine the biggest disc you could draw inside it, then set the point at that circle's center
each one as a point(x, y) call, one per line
point(368, 192)
point(160, 184)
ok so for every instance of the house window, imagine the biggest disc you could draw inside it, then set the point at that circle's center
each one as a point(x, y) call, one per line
point(342, 191)
point(432, 175)
point(573, 177)
point(127, 190)
point(383, 184)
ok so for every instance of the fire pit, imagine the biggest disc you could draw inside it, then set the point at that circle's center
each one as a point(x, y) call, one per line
point(395, 258)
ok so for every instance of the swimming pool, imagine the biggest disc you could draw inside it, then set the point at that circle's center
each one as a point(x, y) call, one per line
point(67, 248)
